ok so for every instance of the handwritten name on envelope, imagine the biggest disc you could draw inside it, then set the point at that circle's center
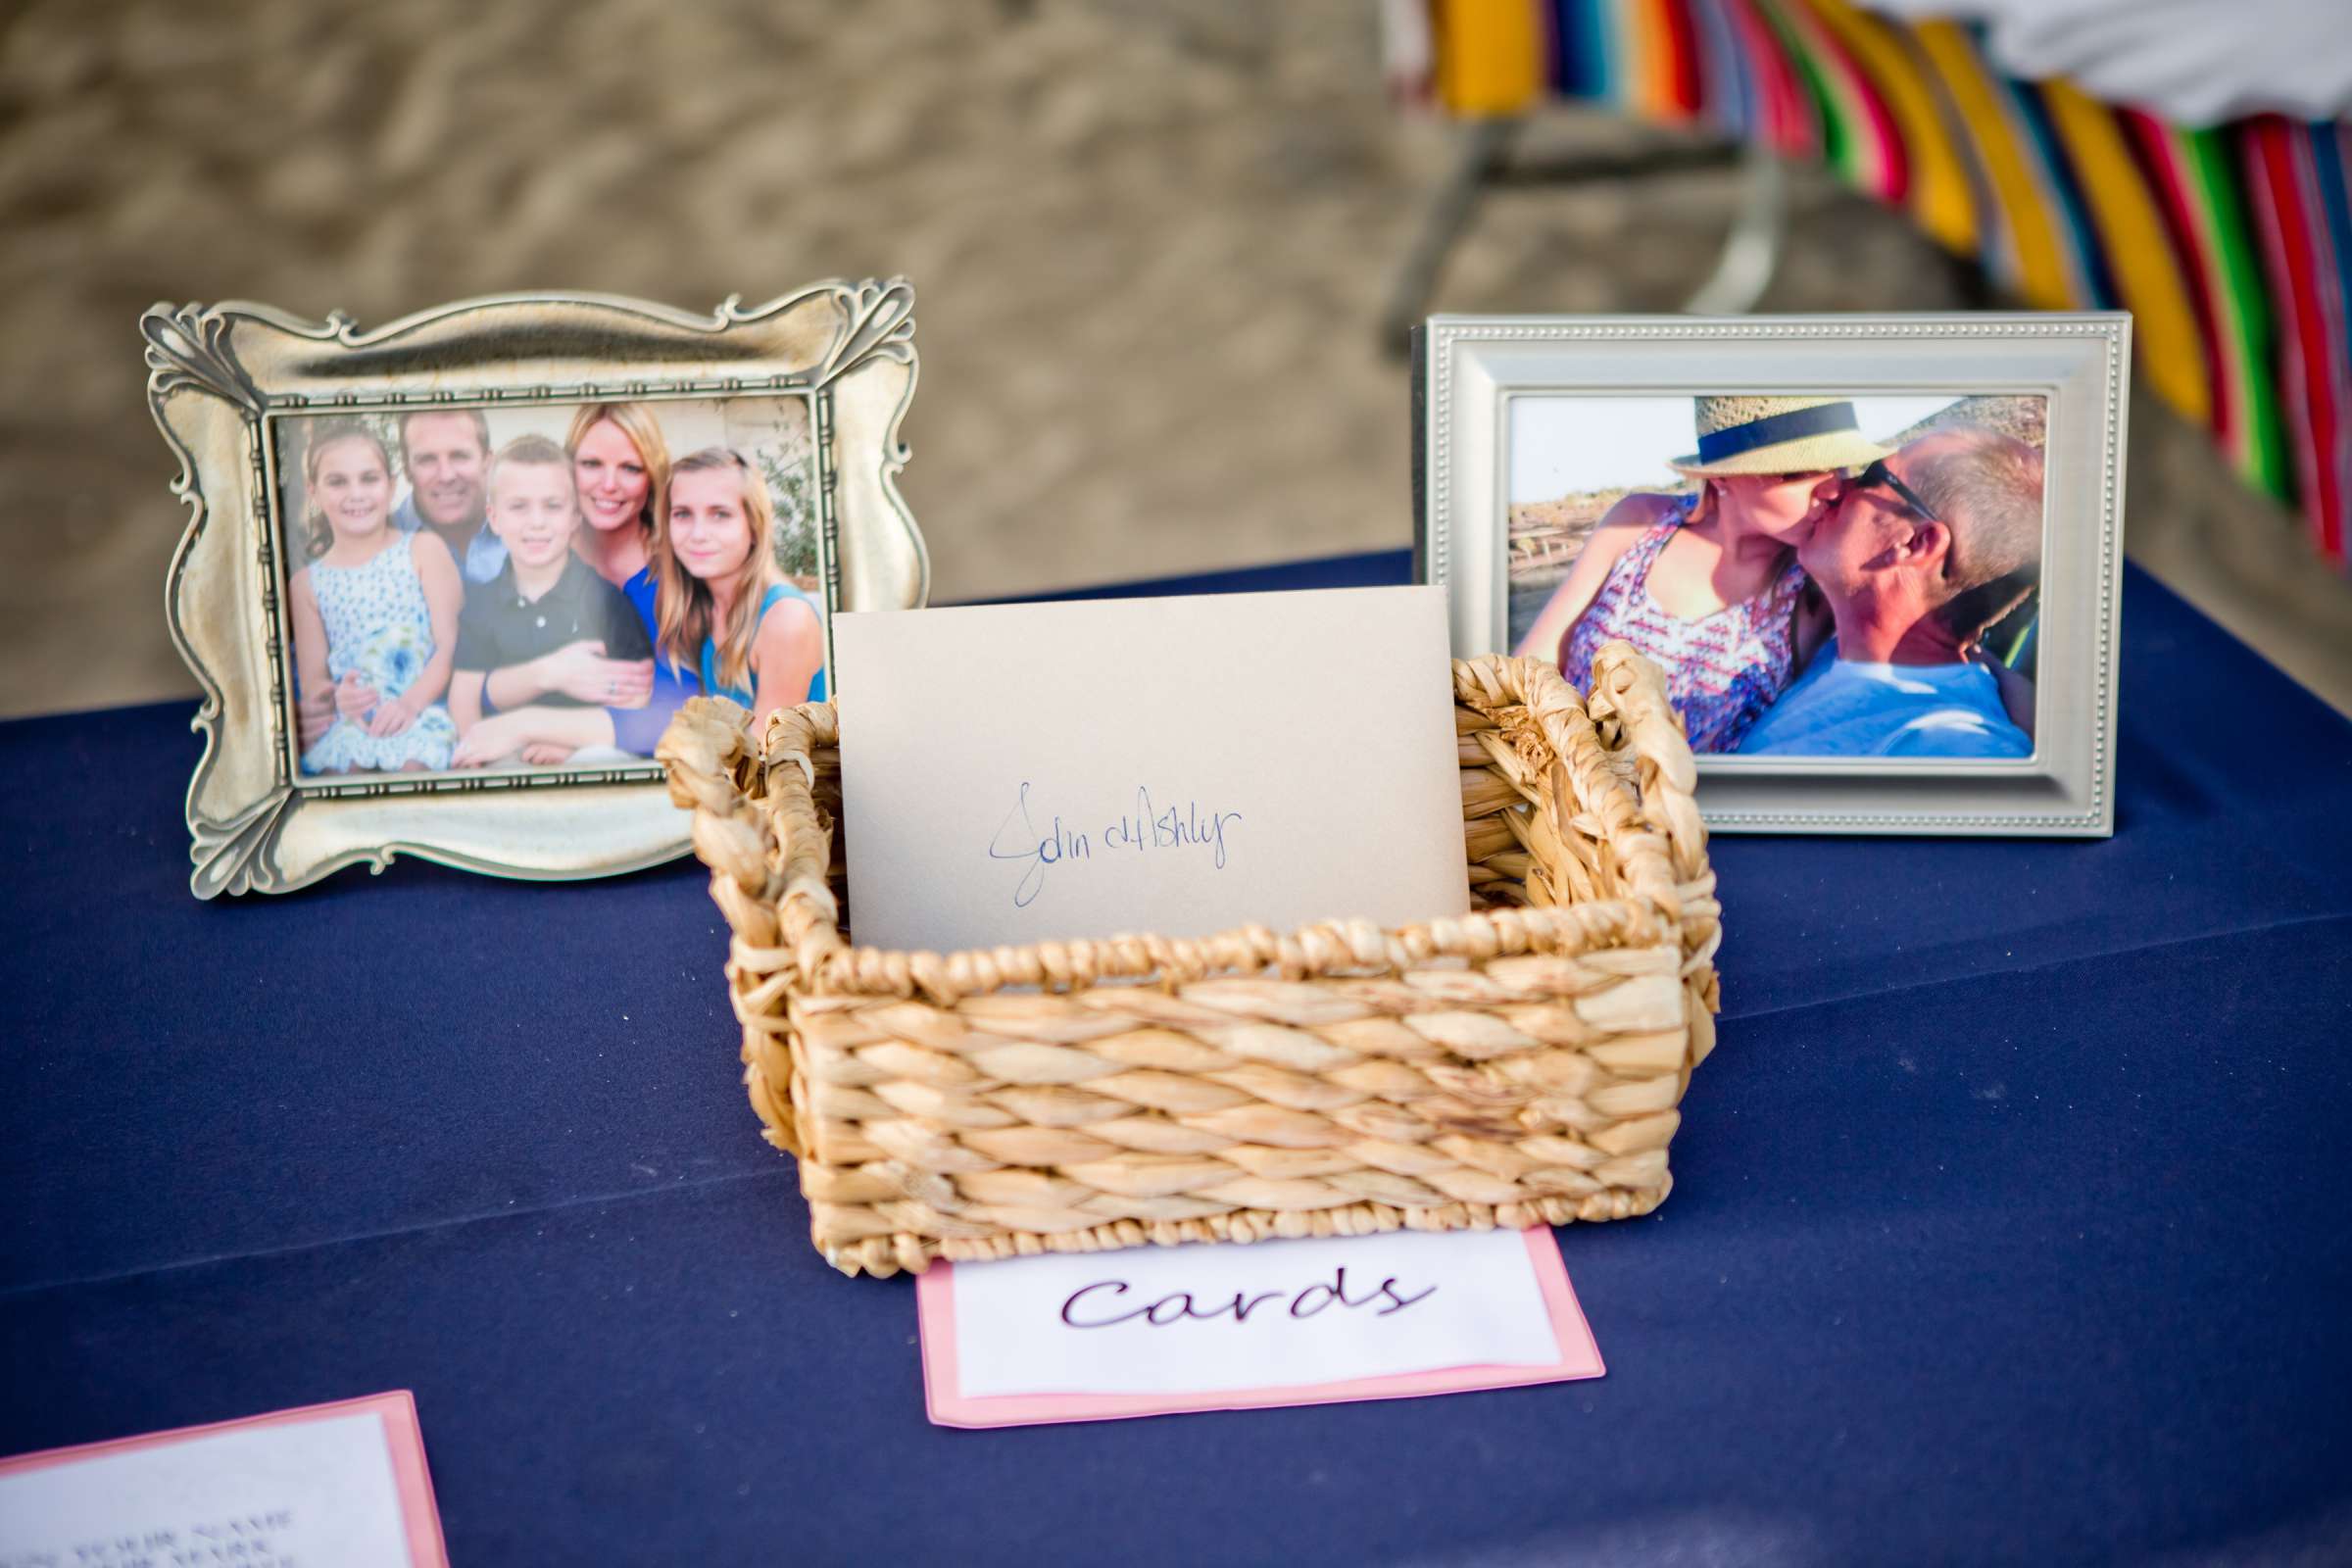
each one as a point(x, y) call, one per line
point(1019, 840)
point(1154, 1330)
point(343, 1484)
point(1023, 772)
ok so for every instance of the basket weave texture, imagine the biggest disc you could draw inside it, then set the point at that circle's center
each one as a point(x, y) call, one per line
point(1521, 1064)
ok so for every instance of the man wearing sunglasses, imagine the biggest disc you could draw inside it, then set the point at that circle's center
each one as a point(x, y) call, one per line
point(1917, 555)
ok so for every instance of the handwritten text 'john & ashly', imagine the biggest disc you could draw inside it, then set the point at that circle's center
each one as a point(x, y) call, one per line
point(1147, 829)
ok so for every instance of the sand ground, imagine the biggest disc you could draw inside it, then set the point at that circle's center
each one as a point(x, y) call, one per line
point(1150, 243)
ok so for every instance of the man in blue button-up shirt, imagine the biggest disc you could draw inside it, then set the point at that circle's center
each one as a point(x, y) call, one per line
point(1918, 557)
point(446, 455)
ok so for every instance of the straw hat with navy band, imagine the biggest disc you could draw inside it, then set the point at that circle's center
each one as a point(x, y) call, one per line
point(1778, 435)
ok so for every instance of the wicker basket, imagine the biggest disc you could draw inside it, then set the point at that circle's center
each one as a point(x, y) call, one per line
point(1517, 1065)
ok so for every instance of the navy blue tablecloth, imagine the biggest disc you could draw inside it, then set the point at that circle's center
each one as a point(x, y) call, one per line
point(2009, 1223)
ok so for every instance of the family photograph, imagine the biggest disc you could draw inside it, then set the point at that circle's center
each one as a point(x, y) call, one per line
point(1817, 576)
point(544, 587)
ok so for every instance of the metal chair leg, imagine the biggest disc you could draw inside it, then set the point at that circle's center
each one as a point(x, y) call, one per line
point(1752, 249)
point(1485, 145)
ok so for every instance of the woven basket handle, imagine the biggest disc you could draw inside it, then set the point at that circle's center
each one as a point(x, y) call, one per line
point(1630, 709)
point(1542, 744)
point(764, 862)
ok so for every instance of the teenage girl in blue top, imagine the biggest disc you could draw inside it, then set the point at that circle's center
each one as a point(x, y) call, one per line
point(722, 608)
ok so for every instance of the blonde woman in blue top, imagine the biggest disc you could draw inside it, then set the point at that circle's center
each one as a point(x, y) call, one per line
point(722, 608)
point(620, 465)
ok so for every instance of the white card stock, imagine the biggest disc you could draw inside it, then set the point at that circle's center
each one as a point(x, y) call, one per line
point(342, 1484)
point(1150, 1330)
point(1027, 772)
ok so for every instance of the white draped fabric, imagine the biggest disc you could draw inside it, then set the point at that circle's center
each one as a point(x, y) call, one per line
point(2191, 62)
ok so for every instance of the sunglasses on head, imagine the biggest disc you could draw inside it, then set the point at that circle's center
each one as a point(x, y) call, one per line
point(1877, 474)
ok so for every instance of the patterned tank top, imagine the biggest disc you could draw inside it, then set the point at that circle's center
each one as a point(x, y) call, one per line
point(1722, 670)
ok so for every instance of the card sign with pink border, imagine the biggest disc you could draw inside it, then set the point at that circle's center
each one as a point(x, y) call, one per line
point(343, 1484)
point(1151, 1331)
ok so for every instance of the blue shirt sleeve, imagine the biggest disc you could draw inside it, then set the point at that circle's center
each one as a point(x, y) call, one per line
point(636, 729)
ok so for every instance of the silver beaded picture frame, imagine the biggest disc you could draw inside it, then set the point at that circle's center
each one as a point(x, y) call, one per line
point(1506, 404)
point(239, 390)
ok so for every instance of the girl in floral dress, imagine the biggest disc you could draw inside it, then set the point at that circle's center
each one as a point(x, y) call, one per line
point(1707, 586)
point(375, 619)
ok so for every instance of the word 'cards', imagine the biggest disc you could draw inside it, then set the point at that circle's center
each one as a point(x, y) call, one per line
point(1096, 1336)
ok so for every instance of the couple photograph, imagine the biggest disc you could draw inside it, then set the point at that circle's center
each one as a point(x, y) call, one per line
point(544, 587)
point(1817, 576)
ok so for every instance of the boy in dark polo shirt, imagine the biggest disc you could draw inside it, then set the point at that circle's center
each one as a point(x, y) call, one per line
point(532, 633)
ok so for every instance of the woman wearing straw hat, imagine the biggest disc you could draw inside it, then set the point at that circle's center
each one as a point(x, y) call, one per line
point(1707, 584)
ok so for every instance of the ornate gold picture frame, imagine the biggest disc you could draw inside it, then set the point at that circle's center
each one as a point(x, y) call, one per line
point(242, 391)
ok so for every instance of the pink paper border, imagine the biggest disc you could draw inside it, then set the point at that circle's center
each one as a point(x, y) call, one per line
point(935, 1299)
point(405, 1439)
